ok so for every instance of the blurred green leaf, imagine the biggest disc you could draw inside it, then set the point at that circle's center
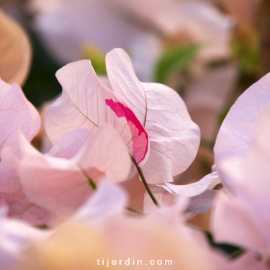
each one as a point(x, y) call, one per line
point(231, 250)
point(245, 49)
point(97, 58)
point(174, 59)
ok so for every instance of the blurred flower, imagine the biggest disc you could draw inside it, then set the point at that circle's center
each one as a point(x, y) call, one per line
point(15, 51)
point(238, 130)
point(88, 239)
point(201, 195)
point(144, 28)
point(16, 238)
point(65, 26)
point(241, 155)
point(247, 204)
point(17, 116)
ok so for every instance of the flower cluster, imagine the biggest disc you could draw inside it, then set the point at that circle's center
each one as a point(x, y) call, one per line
point(103, 131)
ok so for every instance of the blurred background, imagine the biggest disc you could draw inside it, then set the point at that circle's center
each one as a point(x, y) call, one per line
point(207, 51)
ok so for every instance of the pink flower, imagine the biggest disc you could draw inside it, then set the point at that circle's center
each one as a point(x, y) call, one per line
point(17, 116)
point(174, 138)
point(88, 103)
point(100, 230)
point(144, 114)
point(242, 151)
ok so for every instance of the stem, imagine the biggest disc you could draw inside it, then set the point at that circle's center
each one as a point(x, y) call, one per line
point(144, 182)
point(90, 180)
point(236, 253)
point(134, 211)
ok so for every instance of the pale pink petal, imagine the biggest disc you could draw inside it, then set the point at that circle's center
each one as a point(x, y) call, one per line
point(70, 143)
point(30, 212)
point(16, 238)
point(87, 103)
point(232, 222)
point(250, 192)
point(60, 185)
point(238, 129)
point(206, 183)
point(98, 207)
point(9, 180)
point(200, 194)
point(174, 138)
point(159, 236)
point(17, 114)
point(11, 191)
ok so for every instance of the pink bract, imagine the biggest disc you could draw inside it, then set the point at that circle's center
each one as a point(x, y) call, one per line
point(61, 185)
point(174, 138)
point(84, 104)
point(17, 115)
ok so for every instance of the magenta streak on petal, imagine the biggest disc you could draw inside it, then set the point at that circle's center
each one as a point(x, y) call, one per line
point(139, 135)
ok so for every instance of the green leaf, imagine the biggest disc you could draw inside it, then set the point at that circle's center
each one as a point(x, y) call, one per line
point(231, 251)
point(246, 50)
point(97, 58)
point(174, 59)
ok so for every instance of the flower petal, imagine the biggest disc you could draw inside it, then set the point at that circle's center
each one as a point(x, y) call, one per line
point(17, 114)
point(98, 207)
point(87, 103)
point(60, 185)
point(15, 239)
point(238, 129)
point(69, 145)
point(174, 138)
point(200, 194)
point(239, 229)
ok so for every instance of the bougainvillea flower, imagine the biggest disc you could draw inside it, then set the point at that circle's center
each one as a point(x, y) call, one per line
point(17, 114)
point(98, 235)
point(86, 22)
point(15, 51)
point(114, 236)
point(174, 138)
point(247, 203)
point(88, 103)
point(62, 182)
point(15, 239)
point(201, 195)
point(242, 152)
point(239, 127)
